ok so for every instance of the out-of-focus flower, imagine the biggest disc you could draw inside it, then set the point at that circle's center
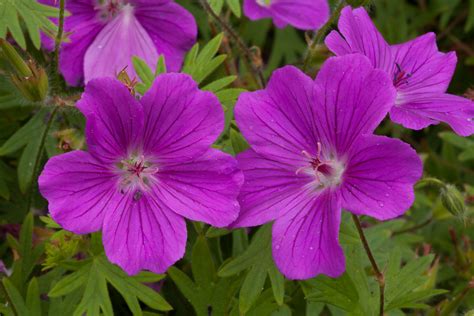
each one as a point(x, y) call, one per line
point(105, 35)
point(420, 73)
point(149, 165)
point(313, 153)
point(302, 14)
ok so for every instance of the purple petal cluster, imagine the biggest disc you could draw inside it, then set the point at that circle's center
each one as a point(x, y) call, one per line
point(148, 167)
point(420, 73)
point(302, 14)
point(313, 152)
point(105, 35)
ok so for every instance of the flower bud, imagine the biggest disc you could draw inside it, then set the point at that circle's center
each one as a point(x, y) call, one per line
point(30, 79)
point(453, 201)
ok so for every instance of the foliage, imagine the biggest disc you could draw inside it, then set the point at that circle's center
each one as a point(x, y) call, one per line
point(426, 256)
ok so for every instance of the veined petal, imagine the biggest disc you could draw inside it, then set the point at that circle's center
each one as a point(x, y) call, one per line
point(181, 121)
point(83, 27)
point(172, 29)
point(79, 190)
point(204, 189)
point(361, 36)
point(114, 119)
point(380, 177)
point(115, 45)
point(278, 122)
point(426, 70)
point(302, 14)
point(352, 98)
point(271, 189)
point(305, 241)
point(419, 111)
point(143, 235)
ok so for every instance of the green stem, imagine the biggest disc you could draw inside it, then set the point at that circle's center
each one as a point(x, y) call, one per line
point(38, 158)
point(57, 43)
point(322, 32)
point(249, 56)
point(378, 274)
point(6, 295)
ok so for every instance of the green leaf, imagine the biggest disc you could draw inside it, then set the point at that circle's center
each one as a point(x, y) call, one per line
point(214, 232)
point(216, 5)
point(238, 142)
point(252, 287)
point(70, 282)
point(16, 298)
point(200, 64)
point(143, 71)
point(160, 66)
point(219, 84)
point(33, 301)
point(25, 134)
point(278, 284)
point(234, 6)
point(93, 278)
point(4, 190)
point(257, 250)
point(28, 162)
point(202, 266)
point(455, 140)
point(34, 15)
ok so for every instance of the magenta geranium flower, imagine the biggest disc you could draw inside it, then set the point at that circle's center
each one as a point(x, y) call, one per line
point(302, 14)
point(420, 73)
point(313, 152)
point(105, 35)
point(148, 167)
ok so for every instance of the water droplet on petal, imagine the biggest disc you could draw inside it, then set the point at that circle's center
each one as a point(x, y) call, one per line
point(381, 204)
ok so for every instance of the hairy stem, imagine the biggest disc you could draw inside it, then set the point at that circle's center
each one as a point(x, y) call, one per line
point(378, 274)
point(322, 32)
point(256, 70)
point(57, 43)
point(38, 158)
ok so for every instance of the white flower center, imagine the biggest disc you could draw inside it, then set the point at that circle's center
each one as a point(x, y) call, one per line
point(136, 175)
point(326, 172)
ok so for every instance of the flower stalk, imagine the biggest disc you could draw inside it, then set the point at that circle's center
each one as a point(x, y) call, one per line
point(252, 60)
point(321, 33)
point(58, 41)
point(378, 274)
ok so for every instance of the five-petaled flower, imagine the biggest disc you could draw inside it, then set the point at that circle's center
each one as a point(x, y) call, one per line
point(302, 14)
point(313, 152)
point(420, 73)
point(149, 165)
point(104, 35)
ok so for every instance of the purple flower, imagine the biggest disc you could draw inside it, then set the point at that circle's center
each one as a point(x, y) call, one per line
point(105, 35)
point(420, 73)
point(313, 152)
point(149, 165)
point(302, 14)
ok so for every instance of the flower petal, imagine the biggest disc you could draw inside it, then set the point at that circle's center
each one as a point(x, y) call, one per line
point(278, 122)
point(204, 189)
point(143, 234)
point(305, 241)
point(427, 69)
point(172, 29)
point(271, 188)
point(361, 35)
point(83, 27)
point(380, 177)
point(352, 98)
point(302, 14)
point(79, 190)
point(254, 11)
point(104, 59)
point(422, 110)
point(114, 119)
point(181, 121)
